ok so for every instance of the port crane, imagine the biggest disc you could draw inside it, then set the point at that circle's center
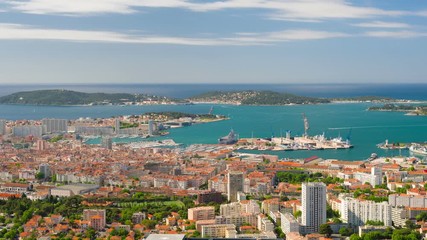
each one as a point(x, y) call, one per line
point(306, 125)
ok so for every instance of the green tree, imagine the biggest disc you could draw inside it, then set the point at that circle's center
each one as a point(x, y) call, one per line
point(40, 175)
point(355, 237)
point(374, 223)
point(410, 225)
point(422, 216)
point(91, 233)
point(346, 231)
point(325, 229)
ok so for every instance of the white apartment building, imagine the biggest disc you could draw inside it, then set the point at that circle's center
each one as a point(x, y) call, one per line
point(374, 178)
point(357, 213)
point(313, 203)
point(289, 223)
point(418, 201)
point(53, 125)
point(219, 231)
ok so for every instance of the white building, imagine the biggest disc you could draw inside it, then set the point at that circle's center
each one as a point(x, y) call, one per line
point(374, 178)
point(289, 223)
point(237, 220)
point(418, 201)
point(237, 208)
point(264, 224)
point(219, 231)
point(23, 131)
point(313, 206)
point(357, 213)
point(53, 125)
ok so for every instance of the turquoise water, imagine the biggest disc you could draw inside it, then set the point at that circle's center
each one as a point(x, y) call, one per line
point(367, 128)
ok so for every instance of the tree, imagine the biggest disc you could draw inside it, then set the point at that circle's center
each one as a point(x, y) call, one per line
point(422, 216)
point(355, 237)
point(40, 175)
point(90, 233)
point(346, 231)
point(410, 225)
point(325, 229)
point(374, 223)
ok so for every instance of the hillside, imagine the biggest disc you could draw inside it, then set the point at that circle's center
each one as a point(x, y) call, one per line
point(410, 109)
point(66, 97)
point(256, 98)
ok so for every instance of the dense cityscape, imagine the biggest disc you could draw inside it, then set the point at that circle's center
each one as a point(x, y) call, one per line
point(56, 186)
point(213, 119)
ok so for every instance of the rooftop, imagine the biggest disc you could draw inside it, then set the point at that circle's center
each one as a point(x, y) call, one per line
point(165, 237)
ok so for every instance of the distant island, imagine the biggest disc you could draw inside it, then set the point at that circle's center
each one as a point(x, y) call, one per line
point(275, 98)
point(66, 97)
point(249, 97)
point(255, 98)
point(409, 109)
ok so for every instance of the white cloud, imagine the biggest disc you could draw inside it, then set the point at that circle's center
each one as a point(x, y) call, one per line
point(380, 24)
point(23, 32)
point(294, 10)
point(395, 34)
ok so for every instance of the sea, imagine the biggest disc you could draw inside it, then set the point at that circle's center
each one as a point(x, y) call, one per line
point(365, 129)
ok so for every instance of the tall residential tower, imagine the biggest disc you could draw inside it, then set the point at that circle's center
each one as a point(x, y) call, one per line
point(313, 206)
point(234, 185)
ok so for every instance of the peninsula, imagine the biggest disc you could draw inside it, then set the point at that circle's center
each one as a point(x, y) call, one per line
point(250, 97)
point(67, 97)
point(409, 109)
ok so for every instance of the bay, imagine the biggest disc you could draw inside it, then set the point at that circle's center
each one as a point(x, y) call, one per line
point(365, 128)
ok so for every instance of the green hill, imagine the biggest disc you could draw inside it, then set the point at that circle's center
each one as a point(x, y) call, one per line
point(66, 97)
point(256, 98)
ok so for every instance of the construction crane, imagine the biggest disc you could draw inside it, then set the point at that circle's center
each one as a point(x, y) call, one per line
point(306, 125)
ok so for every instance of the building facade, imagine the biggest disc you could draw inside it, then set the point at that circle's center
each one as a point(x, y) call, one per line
point(313, 206)
point(201, 213)
point(53, 125)
point(234, 185)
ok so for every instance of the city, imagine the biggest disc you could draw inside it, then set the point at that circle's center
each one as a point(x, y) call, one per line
point(213, 119)
point(113, 191)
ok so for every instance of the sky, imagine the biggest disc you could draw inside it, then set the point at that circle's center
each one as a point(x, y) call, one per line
point(212, 41)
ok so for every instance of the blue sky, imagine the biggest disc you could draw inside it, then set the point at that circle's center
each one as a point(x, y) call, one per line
point(228, 41)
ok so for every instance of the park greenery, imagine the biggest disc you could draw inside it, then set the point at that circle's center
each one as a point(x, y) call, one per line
point(389, 233)
point(17, 211)
point(300, 177)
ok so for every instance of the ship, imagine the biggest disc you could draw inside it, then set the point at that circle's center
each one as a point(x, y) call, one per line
point(231, 138)
point(418, 149)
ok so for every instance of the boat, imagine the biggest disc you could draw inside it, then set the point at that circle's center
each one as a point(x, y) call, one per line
point(231, 138)
point(417, 148)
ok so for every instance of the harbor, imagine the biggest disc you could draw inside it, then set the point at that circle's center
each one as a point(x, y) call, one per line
point(289, 143)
